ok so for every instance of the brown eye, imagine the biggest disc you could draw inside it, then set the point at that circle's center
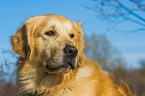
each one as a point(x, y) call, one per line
point(72, 35)
point(49, 33)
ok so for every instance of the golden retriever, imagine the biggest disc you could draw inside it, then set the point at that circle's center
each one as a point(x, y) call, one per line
point(52, 61)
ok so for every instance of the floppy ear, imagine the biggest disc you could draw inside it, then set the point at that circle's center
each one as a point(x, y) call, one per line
point(22, 41)
point(19, 42)
point(80, 42)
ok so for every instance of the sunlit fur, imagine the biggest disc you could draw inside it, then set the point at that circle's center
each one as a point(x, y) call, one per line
point(34, 47)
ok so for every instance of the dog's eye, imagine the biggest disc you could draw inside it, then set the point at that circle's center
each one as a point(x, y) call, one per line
point(49, 32)
point(72, 35)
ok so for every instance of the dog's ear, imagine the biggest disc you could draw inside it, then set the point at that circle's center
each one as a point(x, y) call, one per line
point(19, 42)
point(80, 42)
point(23, 40)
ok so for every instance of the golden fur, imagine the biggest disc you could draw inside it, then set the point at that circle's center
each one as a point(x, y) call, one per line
point(34, 47)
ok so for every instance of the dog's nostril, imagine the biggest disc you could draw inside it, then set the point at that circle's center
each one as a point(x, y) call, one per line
point(71, 51)
point(47, 67)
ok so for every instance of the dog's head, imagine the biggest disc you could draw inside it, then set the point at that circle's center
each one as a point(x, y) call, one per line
point(51, 41)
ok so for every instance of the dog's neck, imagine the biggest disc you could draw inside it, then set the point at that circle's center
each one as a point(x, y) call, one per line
point(32, 79)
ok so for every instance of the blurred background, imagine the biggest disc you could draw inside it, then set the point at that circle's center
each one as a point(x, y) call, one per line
point(114, 34)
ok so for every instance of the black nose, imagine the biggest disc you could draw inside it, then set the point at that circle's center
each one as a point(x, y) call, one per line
point(71, 51)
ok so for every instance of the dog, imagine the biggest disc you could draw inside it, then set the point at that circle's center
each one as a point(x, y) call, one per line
point(52, 61)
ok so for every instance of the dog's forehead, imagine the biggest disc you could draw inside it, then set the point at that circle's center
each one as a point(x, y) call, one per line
point(59, 21)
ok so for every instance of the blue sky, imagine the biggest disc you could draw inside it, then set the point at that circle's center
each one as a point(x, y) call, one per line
point(14, 12)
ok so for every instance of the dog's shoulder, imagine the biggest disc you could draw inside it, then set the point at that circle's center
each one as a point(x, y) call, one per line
point(92, 77)
point(92, 80)
point(91, 70)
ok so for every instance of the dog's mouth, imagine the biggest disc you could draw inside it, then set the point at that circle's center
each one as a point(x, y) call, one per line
point(68, 65)
point(53, 67)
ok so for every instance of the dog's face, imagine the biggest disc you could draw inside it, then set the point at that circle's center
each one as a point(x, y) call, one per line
point(51, 41)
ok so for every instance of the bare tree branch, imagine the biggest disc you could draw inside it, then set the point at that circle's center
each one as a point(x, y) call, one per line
point(130, 31)
point(113, 10)
point(133, 20)
point(130, 11)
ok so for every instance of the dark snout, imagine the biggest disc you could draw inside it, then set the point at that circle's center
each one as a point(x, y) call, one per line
point(70, 52)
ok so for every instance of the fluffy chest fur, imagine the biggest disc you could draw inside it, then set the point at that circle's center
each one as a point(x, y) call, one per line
point(88, 80)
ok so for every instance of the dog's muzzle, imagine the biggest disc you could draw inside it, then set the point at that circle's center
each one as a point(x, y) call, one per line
point(70, 53)
point(69, 61)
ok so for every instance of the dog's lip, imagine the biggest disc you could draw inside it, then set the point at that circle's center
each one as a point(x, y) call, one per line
point(70, 62)
point(67, 65)
point(72, 66)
